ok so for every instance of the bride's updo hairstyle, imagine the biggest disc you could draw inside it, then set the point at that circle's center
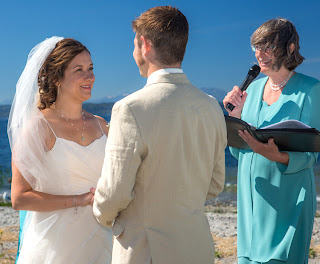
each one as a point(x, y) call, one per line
point(52, 70)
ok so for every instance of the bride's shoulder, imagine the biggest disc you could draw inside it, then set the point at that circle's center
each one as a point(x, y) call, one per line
point(48, 117)
point(103, 123)
point(47, 113)
point(101, 120)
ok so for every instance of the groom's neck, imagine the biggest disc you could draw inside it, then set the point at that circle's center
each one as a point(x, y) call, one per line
point(157, 66)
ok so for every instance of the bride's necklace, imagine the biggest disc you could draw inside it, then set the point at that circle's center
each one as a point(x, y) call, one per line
point(277, 87)
point(67, 119)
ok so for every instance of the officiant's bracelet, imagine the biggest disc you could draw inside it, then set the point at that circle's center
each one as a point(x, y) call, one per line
point(75, 205)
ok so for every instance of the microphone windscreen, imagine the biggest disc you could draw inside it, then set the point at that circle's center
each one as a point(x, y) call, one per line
point(254, 71)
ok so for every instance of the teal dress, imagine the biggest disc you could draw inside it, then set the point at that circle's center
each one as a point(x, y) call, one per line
point(22, 216)
point(277, 203)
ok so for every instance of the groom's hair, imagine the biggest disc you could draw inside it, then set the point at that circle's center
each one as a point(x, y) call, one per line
point(167, 29)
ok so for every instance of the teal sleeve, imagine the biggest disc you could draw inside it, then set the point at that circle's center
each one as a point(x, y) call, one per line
point(234, 152)
point(310, 116)
point(298, 161)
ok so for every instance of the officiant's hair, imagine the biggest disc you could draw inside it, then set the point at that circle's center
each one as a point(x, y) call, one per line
point(281, 33)
point(167, 29)
point(52, 70)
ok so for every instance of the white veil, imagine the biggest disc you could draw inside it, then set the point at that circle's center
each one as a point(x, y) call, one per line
point(27, 129)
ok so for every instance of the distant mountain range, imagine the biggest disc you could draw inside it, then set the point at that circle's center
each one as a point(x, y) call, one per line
point(215, 92)
point(4, 111)
point(103, 109)
point(6, 102)
point(109, 99)
point(103, 106)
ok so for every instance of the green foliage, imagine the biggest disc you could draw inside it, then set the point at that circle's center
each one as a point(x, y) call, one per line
point(4, 175)
point(219, 211)
point(312, 253)
point(230, 188)
point(6, 204)
point(217, 254)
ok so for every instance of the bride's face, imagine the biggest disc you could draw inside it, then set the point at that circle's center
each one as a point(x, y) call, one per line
point(78, 78)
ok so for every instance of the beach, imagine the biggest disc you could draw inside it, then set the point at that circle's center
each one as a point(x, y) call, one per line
point(222, 218)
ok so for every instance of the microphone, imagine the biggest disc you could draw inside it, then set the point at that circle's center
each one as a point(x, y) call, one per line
point(252, 74)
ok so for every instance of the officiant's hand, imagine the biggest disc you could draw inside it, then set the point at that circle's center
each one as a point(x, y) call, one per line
point(269, 150)
point(237, 98)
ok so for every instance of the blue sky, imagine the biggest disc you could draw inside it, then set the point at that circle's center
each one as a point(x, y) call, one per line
point(218, 53)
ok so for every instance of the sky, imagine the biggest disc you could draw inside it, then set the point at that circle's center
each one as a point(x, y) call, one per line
point(218, 52)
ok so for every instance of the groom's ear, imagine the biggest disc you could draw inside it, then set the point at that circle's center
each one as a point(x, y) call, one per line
point(146, 46)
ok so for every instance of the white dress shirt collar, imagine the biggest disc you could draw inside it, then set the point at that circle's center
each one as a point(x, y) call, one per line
point(153, 75)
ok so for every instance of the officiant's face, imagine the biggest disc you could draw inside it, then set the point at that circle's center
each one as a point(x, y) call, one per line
point(266, 60)
point(137, 55)
point(78, 78)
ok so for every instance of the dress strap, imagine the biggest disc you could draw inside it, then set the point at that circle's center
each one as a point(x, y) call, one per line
point(99, 125)
point(49, 126)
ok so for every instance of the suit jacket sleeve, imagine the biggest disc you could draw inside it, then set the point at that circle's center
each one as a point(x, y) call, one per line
point(124, 150)
point(218, 177)
point(218, 172)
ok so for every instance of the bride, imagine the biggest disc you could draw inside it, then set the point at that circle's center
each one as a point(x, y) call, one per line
point(57, 156)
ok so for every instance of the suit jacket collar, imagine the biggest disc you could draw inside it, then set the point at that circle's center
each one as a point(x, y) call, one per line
point(170, 78)
point(163, 71)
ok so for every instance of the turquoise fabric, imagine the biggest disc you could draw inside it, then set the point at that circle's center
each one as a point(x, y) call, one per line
point(248, 261)
point(277, 203)
point(22, 216)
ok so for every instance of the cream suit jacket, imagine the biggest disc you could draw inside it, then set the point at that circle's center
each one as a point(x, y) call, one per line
point(164, 158)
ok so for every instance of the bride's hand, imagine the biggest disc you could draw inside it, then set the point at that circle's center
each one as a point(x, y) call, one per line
point(93, 191)
point(84, 199)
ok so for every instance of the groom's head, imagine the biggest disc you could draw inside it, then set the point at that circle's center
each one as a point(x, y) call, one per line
point(166, 30)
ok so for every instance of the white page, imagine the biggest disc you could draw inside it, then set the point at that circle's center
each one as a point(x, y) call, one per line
point(287, 124)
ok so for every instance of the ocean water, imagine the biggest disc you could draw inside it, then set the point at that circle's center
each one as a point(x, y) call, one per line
point(229, 194)
point(5, 153)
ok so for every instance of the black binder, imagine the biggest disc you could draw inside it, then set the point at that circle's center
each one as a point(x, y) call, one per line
point(289, 135)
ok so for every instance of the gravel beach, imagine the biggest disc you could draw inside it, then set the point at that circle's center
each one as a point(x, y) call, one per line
point(223, 226)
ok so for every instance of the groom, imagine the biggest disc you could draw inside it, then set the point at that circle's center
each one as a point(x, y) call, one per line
point(164, 155)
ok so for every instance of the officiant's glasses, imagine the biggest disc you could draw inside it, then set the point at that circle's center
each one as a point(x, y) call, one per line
point(264, 48)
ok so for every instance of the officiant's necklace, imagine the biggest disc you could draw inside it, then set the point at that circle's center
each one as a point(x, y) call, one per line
point(277, 87)
point(67, 119)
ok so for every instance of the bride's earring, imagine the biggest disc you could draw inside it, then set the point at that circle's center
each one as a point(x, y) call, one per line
point(58, 90)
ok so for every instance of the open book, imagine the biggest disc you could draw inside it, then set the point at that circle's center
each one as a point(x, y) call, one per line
point(289, 135)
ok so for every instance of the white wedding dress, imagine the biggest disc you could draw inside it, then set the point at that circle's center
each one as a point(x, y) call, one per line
point(61, 236)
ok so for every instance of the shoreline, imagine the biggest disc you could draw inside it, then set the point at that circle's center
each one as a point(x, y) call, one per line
point(222, 219)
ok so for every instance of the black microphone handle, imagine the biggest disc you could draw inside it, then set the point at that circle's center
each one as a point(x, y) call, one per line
point(242, 87)
point(246, 82)
point(230, 106)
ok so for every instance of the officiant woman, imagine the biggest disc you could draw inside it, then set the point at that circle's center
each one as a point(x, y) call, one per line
point(276, 189)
